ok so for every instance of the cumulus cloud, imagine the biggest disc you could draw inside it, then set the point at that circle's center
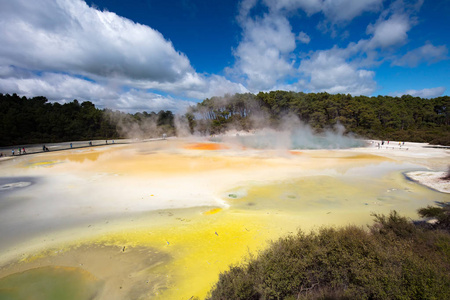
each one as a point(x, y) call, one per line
point(194, 85)
point(266, 55)
point(216, 85)
point(426, 54)
point(54, 86)
point(309, 6)
point(64, 88)
point(334, 10)
point(65, 49)
point(81, 52)
point(346, 10)
point(424, 93)
point(303, 37)
point(262, 55)
point(390, 32)
point(69, 35)
point(329, 71)
point(138, 100)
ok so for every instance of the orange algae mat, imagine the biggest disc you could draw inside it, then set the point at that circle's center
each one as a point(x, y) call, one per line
point(206, 146)
point(295, 152)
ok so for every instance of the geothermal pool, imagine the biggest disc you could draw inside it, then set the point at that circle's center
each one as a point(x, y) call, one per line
point(162, 219)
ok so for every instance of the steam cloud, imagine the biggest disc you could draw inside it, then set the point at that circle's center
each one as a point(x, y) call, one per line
point(291, 134)
point(297, 138)
point(257, 130)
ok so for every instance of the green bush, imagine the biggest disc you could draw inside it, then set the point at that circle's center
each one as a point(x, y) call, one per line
point(392, 260)
point(440, 213)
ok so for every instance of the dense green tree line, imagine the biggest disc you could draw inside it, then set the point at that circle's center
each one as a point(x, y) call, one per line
point(383, 117)
point(35, 120)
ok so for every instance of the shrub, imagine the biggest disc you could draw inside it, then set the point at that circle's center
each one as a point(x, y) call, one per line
point(440, 213)
point(393, 224)
point(393, 260)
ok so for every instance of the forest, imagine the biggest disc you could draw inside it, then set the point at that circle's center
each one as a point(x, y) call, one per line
point(35, 120)
point(403, 118)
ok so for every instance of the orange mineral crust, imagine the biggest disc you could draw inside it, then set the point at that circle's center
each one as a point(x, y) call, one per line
point(206, 146)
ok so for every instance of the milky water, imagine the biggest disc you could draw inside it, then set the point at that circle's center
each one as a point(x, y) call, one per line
point(297, 138)
point(202, 209)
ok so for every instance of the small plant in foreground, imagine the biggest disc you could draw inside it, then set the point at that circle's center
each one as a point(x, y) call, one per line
point(441, 214)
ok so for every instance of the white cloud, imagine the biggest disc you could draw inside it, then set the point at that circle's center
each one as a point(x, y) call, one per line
point(216, 85)
point(244, 9)
point(55, 87)
point(334, 10)
point(93, 55)
point(424, 93)
point(194, 85)
point(64, 88)
point(309, 6)
point(329, 71)
point(69, 35)
point(390, 32)
point(64, 49)
point(303, 37)
point(262, 55)
point(266, 55)
point(425, 54)
point(346, 10)
point(138, 100)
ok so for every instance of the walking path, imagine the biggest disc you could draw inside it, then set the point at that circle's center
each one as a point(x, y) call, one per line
point(52, 147)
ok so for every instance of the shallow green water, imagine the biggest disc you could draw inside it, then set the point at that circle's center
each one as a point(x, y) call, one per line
point(318, 195)
point(49, 283)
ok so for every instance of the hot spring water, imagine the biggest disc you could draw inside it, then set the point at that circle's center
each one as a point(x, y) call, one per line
point(165, 218)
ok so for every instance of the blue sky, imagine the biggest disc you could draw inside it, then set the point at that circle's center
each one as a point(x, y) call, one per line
point(150, 55)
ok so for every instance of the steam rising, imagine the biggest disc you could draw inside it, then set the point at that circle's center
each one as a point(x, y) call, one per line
point(299, 138)
point(139, 126)
point(256, 130)
point(294, 134)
